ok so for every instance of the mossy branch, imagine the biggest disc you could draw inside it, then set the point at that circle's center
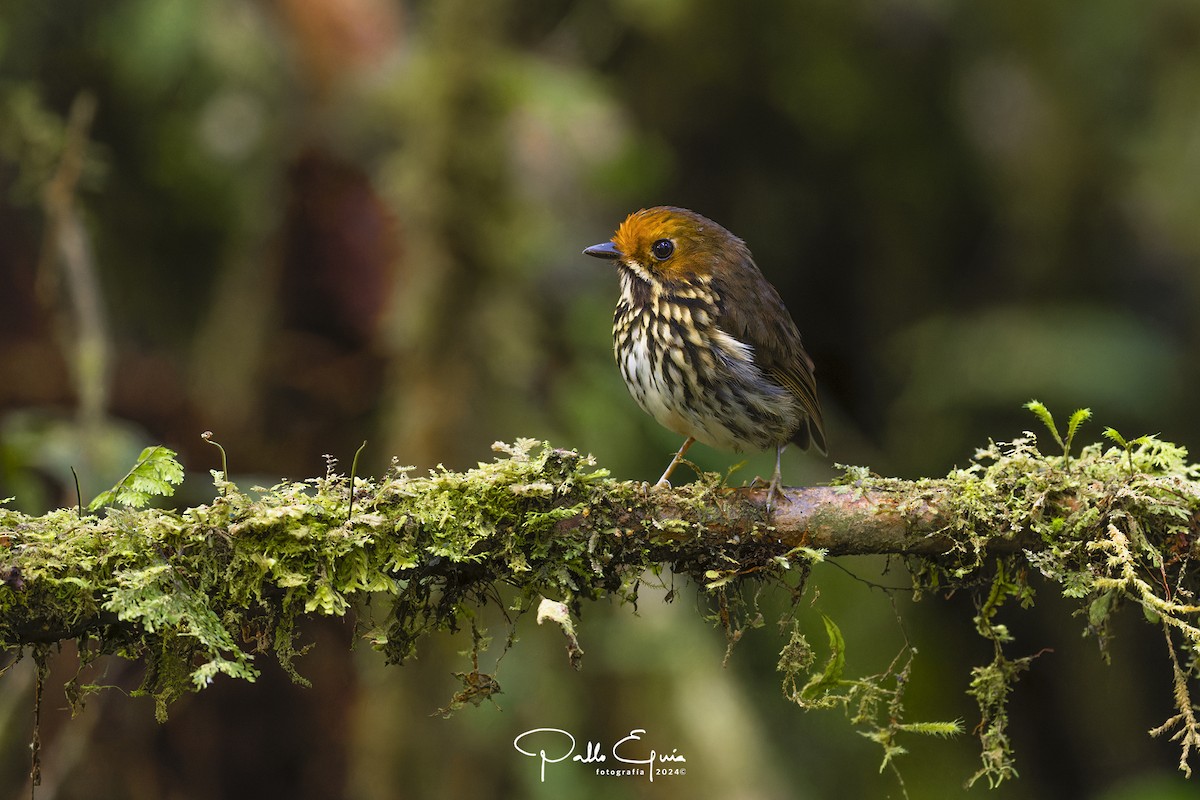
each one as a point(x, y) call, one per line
point(203, 591)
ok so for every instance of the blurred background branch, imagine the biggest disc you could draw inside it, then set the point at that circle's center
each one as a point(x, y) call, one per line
point(67, 269)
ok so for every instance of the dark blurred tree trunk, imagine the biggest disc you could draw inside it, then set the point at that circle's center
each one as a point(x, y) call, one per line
point(454, 192)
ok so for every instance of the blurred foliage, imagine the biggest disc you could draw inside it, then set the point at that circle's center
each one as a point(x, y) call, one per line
point(316, 222)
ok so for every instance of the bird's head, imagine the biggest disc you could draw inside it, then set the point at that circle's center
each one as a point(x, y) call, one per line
point(669, 245)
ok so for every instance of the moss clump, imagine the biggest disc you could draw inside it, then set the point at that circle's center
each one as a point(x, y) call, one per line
point(204, 591)
point(1109, 526)
point(200, 592)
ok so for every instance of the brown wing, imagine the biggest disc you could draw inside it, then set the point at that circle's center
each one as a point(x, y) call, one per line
point(752, 311)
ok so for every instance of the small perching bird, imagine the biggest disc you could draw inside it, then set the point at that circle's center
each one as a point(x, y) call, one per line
point(705, 343)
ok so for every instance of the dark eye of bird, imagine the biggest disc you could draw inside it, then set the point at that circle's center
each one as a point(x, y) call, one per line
point(662, 249)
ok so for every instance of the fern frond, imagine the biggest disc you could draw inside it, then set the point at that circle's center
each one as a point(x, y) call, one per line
point(1041, 412)
point(156, 474)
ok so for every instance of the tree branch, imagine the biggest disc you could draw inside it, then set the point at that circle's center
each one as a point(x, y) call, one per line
point(201, 591)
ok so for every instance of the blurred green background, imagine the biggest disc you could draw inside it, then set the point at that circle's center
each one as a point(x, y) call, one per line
point(305, 223)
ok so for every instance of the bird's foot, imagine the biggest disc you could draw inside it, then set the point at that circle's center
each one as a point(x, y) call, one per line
point(772, 486)
point(774, 492)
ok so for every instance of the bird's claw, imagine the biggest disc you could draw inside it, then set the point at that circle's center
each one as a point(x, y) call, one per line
point(773, 493)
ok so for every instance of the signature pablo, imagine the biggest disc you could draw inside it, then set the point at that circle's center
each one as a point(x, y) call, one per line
point(545, 744)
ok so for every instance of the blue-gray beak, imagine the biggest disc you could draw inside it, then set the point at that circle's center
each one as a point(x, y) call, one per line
point(606, 250)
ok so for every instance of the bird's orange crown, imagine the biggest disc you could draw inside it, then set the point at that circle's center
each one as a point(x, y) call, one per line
point(675, 243)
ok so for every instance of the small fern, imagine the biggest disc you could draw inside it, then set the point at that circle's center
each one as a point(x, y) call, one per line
point(1076, 420)
point(156, 474)
point(1116, 438)
point(874, 703)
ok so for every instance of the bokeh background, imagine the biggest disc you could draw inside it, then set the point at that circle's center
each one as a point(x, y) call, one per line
point(302, 224)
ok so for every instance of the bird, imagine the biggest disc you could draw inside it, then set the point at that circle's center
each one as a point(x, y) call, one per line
point(704, 342)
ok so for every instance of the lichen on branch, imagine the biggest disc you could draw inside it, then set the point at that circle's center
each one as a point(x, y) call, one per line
point(205, 591)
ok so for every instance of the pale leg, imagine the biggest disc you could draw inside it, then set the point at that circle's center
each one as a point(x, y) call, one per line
point(777, 478)
point(663, 481)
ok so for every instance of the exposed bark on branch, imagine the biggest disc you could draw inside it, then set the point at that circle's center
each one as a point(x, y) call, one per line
point(906, 519)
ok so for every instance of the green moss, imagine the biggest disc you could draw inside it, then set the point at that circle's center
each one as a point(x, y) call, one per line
point(206, 591)
point(1109, 526)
